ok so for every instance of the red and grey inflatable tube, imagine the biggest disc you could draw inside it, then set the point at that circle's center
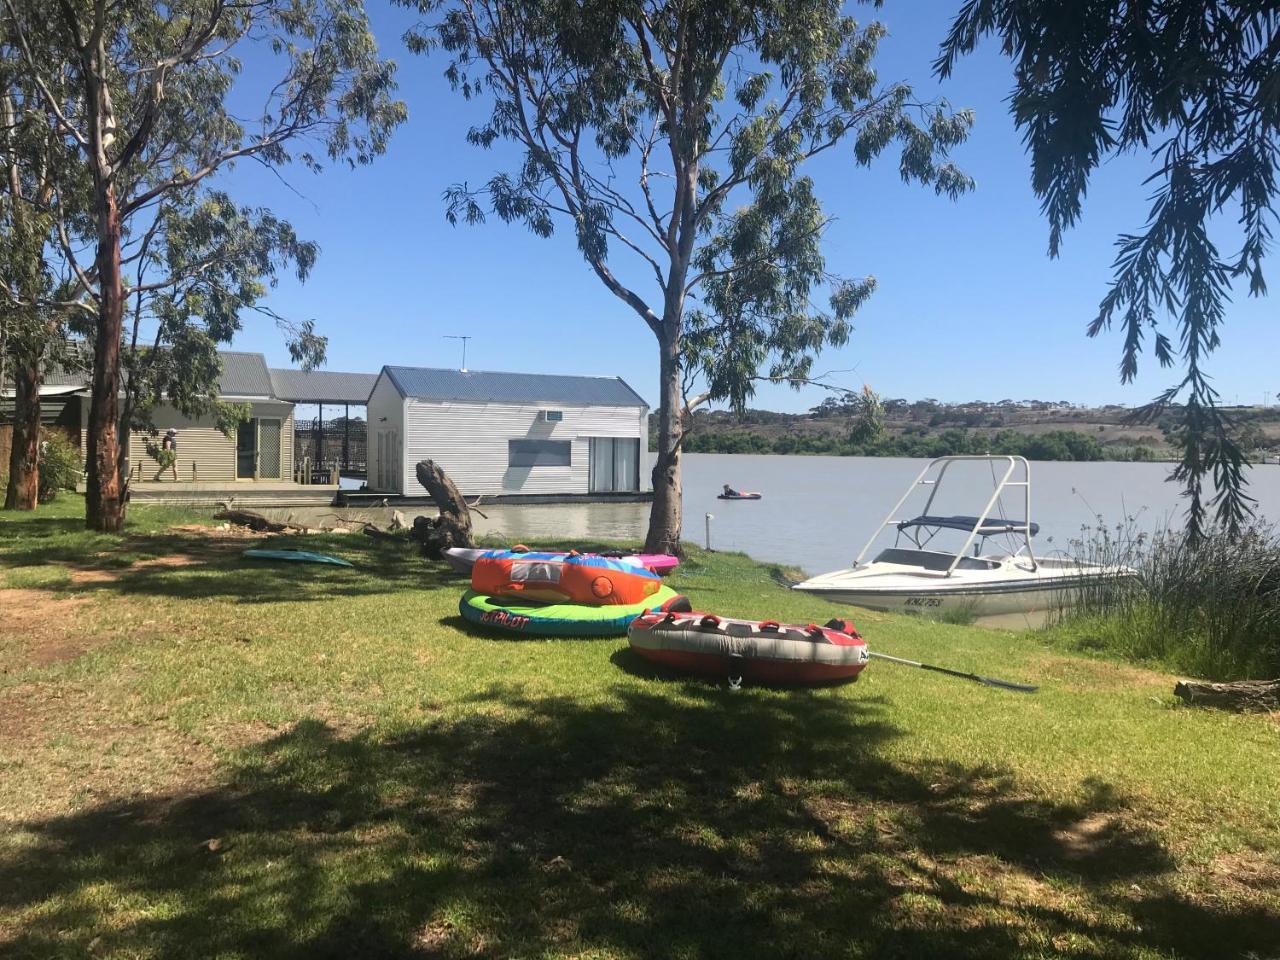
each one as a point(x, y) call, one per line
point(763, 651)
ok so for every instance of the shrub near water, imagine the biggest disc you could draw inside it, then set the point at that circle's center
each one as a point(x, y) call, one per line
point(1211, 609)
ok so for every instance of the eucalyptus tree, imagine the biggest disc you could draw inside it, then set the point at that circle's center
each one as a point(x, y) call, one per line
point(37, 175)
point(157, 103)
point(671, 136)
point(1196, 83)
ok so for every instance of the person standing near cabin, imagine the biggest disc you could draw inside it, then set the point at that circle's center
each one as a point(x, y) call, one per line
point(730, 492)
point(169, 446)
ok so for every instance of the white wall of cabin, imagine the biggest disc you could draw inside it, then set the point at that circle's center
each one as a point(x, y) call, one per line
point(469, 440)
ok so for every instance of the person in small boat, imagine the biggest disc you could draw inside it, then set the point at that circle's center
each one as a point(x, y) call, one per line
point(730, 492)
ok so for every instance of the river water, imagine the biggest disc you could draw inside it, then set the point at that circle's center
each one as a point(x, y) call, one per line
point(817, 512)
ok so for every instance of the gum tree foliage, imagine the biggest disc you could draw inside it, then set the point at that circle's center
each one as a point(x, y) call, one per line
point(671, 139)
point(215, 261)
point(1197, 85)
point(154, 105)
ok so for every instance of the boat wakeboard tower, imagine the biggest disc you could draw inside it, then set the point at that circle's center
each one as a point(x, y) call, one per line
point(915, 576)
point(922, 529)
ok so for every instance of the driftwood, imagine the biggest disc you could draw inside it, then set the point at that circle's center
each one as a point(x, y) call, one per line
point(255, 521)
point(453, 527)
point(373, 530)
point(1243, 695)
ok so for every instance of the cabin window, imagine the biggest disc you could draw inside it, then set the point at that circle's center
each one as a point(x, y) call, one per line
point(615, 465)
point(539, 453)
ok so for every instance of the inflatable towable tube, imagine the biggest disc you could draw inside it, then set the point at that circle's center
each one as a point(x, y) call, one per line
point(462, 559)
point(562, 619)
point(552, 577)
point(762, 650)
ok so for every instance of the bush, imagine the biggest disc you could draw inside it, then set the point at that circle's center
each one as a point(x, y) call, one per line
point(60, 465)
point(1211, 609)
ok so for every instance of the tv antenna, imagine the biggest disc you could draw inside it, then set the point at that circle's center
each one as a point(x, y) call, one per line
point(454, 336)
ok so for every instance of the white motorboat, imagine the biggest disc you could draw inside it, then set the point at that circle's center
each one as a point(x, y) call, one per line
point(912, 576)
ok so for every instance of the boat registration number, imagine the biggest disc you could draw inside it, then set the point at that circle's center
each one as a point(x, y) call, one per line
point(923, 602)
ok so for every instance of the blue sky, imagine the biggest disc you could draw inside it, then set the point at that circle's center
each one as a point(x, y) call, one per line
point(969, 306)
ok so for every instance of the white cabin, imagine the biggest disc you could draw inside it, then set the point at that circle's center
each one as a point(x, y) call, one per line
point(507, 434)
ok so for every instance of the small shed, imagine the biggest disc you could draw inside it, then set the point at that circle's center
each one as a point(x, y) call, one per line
point(507, 434)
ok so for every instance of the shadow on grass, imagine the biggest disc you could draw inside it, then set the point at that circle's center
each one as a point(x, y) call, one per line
point(213, 568)
point(710, 825)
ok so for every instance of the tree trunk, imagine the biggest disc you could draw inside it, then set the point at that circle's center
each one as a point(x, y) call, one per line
point(453, 527)
point(104, 506)
point(24, 459)
point(1243, 695)
point(665, 514)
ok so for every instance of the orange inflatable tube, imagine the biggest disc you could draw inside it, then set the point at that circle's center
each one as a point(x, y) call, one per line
point(557, 578)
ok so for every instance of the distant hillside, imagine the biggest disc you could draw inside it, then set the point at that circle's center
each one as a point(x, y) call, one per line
point(1039, 430)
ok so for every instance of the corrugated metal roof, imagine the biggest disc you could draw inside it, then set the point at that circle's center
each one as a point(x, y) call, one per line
point(322, 386)
point(75, 369)
point(484, 386)
point(243, 375)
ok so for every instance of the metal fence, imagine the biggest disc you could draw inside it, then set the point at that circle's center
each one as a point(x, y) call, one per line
point(340, 442)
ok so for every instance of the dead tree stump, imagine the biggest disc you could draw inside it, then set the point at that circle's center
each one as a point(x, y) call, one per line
point(453, 527)
point(1246, 696)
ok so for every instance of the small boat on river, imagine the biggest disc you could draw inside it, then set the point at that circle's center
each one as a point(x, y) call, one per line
point(913, 576)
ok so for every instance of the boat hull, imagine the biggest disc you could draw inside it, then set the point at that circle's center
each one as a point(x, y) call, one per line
point(984, 595)
point(982, 602)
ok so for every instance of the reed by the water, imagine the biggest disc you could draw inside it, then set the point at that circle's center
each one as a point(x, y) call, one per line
point(1210, 609)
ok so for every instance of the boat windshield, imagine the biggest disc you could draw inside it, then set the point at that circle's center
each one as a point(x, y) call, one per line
point(933, 560)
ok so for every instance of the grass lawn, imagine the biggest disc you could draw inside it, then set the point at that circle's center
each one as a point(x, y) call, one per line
point(201, 756)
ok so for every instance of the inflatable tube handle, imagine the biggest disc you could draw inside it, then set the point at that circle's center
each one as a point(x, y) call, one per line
point(770, 626)
point(710, 620)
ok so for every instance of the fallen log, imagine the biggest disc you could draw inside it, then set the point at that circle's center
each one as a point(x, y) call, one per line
point(1245, 696)
point(372, 530)
point(453, 527)
point(255, 521)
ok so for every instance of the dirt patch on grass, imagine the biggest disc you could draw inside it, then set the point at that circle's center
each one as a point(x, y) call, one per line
point(1086, 838)
point(1087, 674)
point(92, 576)
point(1247, 871)
point(222, 532)
point(63, 749)
point(19, 718)
point(39, 628)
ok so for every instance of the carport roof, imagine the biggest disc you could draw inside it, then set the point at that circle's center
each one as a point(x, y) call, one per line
point(322, 386)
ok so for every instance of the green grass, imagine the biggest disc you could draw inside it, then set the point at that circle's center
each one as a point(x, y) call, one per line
point(236, 760)
point(1211, 609)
